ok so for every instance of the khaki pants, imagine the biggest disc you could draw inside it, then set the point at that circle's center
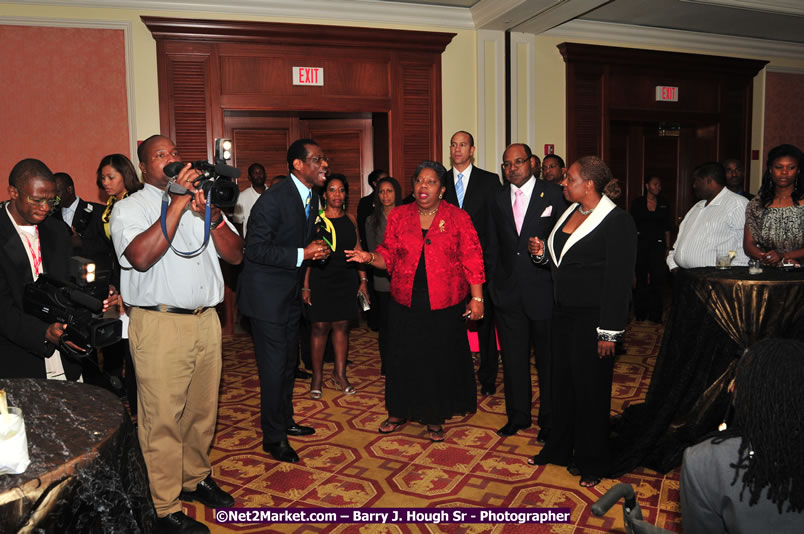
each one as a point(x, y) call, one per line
point(177, 359)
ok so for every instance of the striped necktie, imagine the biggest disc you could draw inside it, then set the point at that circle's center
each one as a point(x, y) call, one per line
point(459, 189)
point(307, 204)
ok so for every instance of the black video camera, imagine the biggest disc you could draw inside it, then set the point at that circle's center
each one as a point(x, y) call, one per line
point(80, 308)
point(218, 181)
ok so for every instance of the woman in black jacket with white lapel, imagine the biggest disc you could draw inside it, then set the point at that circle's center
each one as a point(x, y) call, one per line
point(592, 252)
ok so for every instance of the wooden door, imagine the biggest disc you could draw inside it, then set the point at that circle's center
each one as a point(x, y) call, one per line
point(639, 149)
point(348, 145)
point(260, 139)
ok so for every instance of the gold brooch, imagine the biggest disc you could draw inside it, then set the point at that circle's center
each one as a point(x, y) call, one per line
point(441, 226)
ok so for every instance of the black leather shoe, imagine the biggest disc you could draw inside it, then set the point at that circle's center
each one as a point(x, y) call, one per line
point(299, 430)
point(487, 389)
point(281, 451)
point(543, 435)
point(510, 429)
point(180, 522)
point(301, 374)
point(209, 494)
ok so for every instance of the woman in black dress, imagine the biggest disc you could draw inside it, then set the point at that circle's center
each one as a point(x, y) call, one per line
point(433, 254)
point(591, 251)
point(651, 215)
point(331, 288)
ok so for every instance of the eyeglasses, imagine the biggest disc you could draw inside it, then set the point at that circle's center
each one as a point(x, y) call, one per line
point(516, 163)
point(43, 202)
point(316, 160)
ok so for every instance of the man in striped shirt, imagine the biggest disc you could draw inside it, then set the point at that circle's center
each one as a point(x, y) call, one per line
point(712, 225)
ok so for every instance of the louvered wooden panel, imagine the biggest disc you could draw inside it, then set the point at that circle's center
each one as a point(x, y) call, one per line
point(417, 117)
point(189, 82)
point(588, 110)
point(268, 147)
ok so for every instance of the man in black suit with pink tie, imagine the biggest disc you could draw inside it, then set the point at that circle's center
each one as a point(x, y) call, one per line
point(522, 291)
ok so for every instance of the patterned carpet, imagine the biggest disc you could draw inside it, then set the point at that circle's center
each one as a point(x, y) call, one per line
point(348, 464)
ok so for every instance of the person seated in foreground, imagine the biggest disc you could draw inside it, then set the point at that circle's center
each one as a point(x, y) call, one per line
point(750, 477)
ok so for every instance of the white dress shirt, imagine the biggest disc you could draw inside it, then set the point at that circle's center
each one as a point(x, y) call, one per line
point(68, 212)
point(707, 229)
point(245, 201)
point(467, 172)
point(527, 191)
point(174, 280)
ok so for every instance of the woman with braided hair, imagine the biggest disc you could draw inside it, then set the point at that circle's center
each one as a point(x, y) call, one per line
point(750, 477)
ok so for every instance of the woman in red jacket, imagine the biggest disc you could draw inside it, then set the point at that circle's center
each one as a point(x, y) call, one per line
point(433, 255)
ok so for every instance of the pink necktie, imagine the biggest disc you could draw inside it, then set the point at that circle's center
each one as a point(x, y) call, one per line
point(519, 210)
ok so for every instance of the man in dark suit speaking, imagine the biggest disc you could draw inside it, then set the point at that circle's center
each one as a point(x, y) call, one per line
point(522, 291)
point(279, 240)
point(472, 189)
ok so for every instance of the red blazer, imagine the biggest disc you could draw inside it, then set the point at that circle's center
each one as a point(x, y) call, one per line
point(452, 255)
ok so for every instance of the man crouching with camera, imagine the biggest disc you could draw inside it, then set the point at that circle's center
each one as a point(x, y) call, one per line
point(174, 334)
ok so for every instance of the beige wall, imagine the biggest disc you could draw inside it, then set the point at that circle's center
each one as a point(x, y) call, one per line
point(458, 60)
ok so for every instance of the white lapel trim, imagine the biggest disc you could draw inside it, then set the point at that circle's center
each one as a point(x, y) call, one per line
point(593, 221)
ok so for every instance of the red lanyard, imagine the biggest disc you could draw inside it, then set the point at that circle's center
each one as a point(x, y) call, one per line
point(36, 255)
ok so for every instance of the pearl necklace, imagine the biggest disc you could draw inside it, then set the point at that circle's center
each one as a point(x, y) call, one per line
point(428, 213)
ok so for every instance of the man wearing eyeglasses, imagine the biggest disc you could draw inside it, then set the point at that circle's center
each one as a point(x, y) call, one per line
point(522, 291)
point(280, 241)
point(31, 243)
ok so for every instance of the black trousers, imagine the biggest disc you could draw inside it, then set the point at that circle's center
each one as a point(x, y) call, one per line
point(581, 393)
point(487, 339)
point(276, 349)
point(380, 304)
point(518, 334)
point(651, 271)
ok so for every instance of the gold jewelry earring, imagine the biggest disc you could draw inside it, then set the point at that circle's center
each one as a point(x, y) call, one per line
point(440, 195)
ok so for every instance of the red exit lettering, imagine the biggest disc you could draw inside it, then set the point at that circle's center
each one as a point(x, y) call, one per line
point(666, 93)
point(308, 76)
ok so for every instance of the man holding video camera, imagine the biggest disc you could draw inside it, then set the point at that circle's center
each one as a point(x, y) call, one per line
point(32, 243)
point(175, 333)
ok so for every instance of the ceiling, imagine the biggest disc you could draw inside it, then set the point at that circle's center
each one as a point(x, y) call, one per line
point(774, 20)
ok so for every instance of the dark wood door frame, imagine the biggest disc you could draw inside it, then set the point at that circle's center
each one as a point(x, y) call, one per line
point(208, 67)
point(605, 83)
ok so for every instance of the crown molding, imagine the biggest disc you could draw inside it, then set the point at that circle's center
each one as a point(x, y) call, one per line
point(784, 7)
point(785, 70)
point(128, 44)
point(585, 30)
point(369, 11)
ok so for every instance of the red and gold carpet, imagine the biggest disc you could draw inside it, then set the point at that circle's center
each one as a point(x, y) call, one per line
point(348, 464)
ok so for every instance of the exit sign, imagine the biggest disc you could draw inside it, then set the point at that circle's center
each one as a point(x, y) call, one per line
point(665, 93)
point(308, 75)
